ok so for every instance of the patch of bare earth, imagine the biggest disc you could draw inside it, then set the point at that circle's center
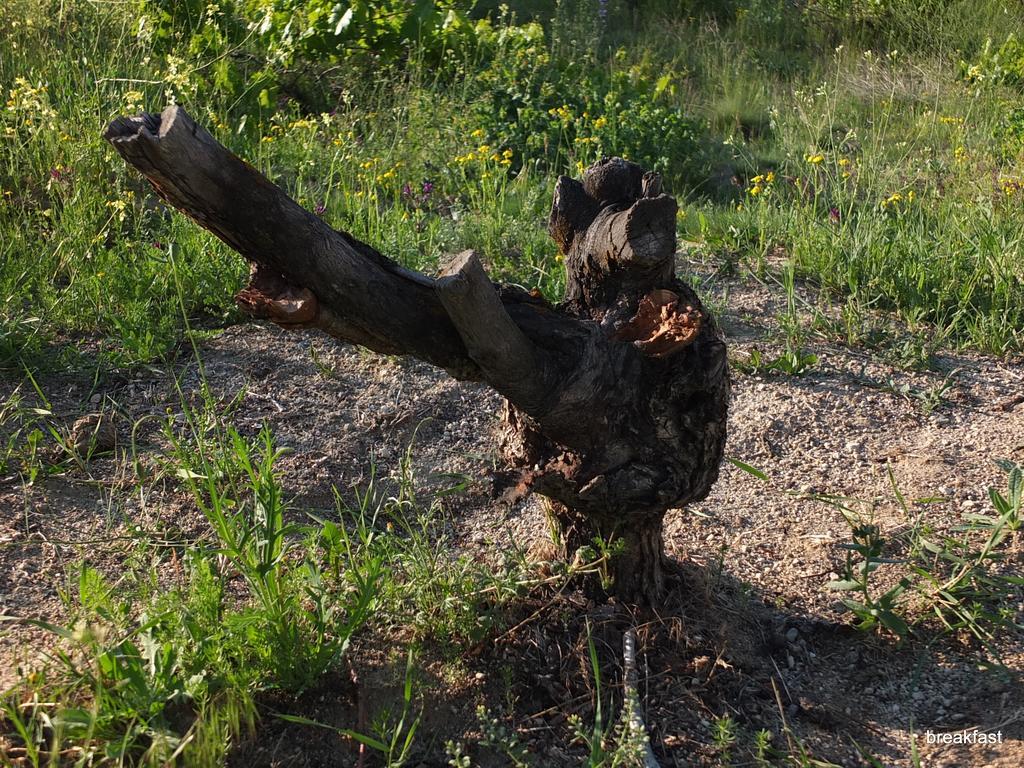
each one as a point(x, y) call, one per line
point(749, 630)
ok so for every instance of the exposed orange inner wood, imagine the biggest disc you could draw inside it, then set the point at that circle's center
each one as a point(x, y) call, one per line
point(660, 326)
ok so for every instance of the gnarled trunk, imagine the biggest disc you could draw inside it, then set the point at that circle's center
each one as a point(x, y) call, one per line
point(616, 397)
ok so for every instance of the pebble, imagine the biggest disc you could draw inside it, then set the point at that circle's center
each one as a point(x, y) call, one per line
point(94, 432)
point(792, 635)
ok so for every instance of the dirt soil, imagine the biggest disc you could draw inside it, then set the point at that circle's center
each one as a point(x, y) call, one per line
point(750, 630)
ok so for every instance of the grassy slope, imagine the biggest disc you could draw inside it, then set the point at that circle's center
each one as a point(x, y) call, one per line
point(895, 182)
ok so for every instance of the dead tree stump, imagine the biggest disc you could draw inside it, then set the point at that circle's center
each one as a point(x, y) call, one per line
point(616, 398)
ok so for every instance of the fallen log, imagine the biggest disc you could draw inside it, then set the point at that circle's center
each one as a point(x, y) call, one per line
point(616, 398)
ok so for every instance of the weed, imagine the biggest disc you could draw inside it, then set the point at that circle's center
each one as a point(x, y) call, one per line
point(723, 735)
point(497, 736)
point(608, 745)
point(870, 609)
point(393, 737)
point(958, 577)
point(790, 362)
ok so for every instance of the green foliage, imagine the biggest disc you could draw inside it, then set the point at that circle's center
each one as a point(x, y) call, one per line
point(791, 362)
point(430, 592)
point(303, 626)
point(388, 28)
point(560, 113)
point(960, 577)
point(129, 681)
point(870, 609)
point(1003, 65)
point(502, 739)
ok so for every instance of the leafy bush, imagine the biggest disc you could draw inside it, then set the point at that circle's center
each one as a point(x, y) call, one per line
point(1002, 66)
point(271, 41)
point(561, 115)
point(323, 28)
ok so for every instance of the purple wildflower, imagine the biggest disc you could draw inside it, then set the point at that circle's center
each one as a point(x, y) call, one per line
point(833, 214)
point(428, 187)
point(407, 189)
point(60, 174)
point(320, 209)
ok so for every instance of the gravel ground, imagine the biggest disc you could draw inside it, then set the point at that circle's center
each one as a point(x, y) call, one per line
point(757, 636)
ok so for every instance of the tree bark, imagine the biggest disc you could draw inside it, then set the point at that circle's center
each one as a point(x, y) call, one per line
point(616, 398)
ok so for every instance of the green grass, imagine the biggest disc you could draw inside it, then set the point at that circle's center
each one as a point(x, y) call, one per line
point(912, 204)
point(153, 666)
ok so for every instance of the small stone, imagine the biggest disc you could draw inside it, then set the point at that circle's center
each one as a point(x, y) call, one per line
point(792, 635)
point(94, 433)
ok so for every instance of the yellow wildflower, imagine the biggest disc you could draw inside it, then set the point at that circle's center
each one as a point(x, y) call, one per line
point(562, 113)
point(133, 100)
point(601, 122)
point(817, 159)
